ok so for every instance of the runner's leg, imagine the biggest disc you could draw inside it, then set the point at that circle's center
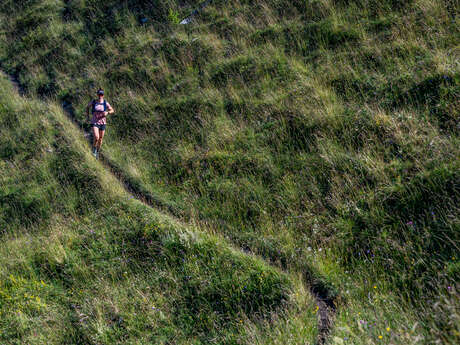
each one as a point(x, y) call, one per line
point(95, 131)
point(101, 136)
point(95, 137)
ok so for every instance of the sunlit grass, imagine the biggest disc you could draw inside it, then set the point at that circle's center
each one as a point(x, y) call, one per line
point(284, 127)
point(82, 261)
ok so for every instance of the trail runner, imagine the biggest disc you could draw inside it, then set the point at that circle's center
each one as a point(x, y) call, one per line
point(100, 108)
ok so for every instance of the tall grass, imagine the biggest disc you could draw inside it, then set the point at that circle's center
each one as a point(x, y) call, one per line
point(322, 135)
point(82, 262)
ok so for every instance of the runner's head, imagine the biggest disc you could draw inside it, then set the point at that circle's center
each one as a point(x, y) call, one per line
point(100, 93)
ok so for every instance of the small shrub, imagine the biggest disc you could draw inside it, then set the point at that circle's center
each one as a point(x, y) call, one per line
point(173, 16)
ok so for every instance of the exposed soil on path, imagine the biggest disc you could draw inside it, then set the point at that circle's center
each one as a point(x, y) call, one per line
point(326, 312)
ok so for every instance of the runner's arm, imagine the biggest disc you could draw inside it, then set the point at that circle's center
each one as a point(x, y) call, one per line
point(111, 110)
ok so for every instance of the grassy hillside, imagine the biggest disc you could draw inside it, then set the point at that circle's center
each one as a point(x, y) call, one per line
point(82, 262)
point(320, 134)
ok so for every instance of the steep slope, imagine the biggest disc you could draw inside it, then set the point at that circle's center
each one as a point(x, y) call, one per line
point(322, 135)
point(82, 262)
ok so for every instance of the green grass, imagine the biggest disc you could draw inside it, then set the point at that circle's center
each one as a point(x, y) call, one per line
point(82, 262)
point(321, 135)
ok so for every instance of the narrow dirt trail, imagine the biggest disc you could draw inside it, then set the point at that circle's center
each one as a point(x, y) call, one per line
point(326, 313)
point(326, 304)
